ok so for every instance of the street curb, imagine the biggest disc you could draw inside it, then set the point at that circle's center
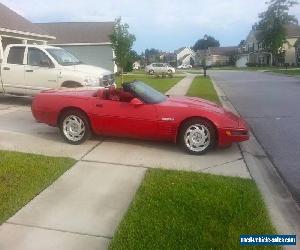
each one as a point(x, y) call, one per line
point(283, 210)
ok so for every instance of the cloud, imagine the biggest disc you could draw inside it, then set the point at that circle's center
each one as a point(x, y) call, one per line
point(164, 24)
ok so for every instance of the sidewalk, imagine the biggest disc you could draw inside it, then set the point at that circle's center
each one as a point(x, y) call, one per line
point(182, 87)
point(82, 209)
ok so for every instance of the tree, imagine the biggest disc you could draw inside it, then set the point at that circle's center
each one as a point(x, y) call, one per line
point(272, 25)
point(152, 55)
point(205, 42)
point(242, 43)
point(133, 56)
point(122, 42)
point(192, 62)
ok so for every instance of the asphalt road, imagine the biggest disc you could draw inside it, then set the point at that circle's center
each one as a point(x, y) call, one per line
point(271, 106)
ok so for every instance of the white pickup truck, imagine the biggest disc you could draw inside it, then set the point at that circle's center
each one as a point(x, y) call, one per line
point(28, 69)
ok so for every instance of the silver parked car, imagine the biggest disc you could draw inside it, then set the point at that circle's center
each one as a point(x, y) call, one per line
point(159, 68)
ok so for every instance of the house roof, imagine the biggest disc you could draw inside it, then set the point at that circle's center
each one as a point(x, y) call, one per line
point(79, 32)
point(12, 22)
point(292, 31)
point(223, 51)
point(181, 49)
point(177, 51)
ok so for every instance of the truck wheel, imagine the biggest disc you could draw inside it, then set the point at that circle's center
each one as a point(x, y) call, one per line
point(71, 84)
point(74, 126)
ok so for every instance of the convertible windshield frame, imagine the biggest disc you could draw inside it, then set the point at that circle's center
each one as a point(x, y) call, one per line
point(58, 53)
point(144, 92)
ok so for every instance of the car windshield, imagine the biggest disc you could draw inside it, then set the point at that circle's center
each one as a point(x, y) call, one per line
point(144, 92)
point(63, 57)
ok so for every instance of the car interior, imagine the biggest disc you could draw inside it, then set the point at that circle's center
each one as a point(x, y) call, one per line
point(115, 94)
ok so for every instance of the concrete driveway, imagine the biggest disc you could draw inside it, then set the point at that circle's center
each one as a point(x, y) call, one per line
point(20, 132)
point(82, 209)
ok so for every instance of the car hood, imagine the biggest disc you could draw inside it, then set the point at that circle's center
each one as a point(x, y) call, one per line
point(194, 102)
point(89, 69)
point(198, 103)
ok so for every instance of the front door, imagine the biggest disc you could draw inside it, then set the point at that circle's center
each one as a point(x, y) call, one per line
point(125, 119)
point(40, 73)
point(12, 71)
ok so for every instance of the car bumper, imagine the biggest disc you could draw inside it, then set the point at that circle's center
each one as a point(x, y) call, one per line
point(229, 135)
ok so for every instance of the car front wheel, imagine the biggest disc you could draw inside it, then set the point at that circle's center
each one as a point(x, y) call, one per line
point(197, 136)
point(74, 127)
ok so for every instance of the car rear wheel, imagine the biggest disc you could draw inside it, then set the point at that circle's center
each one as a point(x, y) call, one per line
point(74, 127)
point(197, 136)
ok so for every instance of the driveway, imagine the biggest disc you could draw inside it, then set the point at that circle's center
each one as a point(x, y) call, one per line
point(82, 209)
point(270, 103)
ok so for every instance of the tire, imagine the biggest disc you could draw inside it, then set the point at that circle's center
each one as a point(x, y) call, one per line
point(151, 72)
point(197, 136)
point(170, 72)
point(71, 84)
point(78, 121)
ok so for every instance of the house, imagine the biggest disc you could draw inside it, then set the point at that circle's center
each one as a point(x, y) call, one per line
point(222, 55)
point(15, 29)
point(168, 57)
point(184, 55)
point(254, 51)
point(215, 56)
point(88, 41)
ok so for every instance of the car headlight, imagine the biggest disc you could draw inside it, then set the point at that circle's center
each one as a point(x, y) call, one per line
point(91, 81)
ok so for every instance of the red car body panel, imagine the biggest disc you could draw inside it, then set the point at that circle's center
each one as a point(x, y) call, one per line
point(160, 121)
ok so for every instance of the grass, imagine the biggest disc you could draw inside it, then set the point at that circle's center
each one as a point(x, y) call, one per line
point(202, 87)
point(160, 84)
point(186, 210)
point(290, 72)
point(23, 176)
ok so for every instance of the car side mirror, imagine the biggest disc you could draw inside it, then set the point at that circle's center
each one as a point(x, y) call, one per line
point(136, 102)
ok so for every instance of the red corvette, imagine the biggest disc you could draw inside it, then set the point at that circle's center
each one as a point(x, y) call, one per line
point(139, 111)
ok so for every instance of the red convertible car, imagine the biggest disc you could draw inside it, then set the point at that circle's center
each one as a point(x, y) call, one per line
point(136, 110)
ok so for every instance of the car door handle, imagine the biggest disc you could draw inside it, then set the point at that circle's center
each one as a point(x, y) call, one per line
point(29, 70)
point(6, 68)
point(99, 105)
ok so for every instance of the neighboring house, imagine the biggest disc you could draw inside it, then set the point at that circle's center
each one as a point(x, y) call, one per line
point(88, 41)
point(297, 48)
point(255, 52)
point(169, 57)
point(184, 55)
point(216, 55)
point(136, 65)
point(222, 55)
point(15, 29)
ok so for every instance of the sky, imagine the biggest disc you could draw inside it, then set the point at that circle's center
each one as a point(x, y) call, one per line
point(162, 24)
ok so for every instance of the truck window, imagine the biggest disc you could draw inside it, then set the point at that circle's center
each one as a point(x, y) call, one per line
point(36, 57)
point(16, 55)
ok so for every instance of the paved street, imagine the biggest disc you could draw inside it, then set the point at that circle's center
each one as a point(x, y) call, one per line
point(270, 104)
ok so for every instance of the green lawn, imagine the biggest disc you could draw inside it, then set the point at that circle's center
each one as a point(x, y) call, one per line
point(186, 210)
point(161, 84)
point(202, 87)
point(23, 176)
point(290, 72)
